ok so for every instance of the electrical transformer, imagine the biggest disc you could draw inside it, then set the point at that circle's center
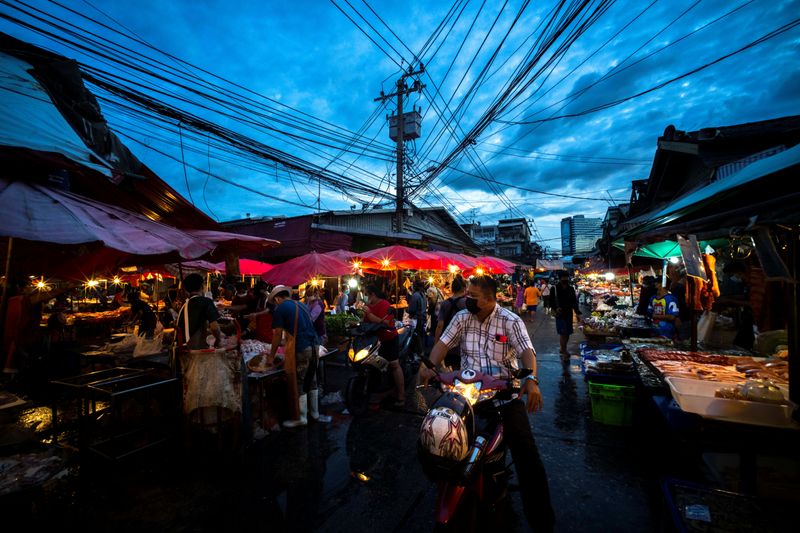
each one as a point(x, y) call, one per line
point(412, 125)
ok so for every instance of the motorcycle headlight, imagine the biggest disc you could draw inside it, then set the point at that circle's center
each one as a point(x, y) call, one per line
point(470, 391)
point(358, 356)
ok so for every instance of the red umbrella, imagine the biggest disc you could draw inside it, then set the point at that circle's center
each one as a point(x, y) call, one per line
point(304, 268)
point(402, 257)
point(495, 265)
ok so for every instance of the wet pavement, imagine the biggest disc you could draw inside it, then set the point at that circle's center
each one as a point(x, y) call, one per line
point(362, 474)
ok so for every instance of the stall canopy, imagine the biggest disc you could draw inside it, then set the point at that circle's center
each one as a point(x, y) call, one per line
point(463, 262)
point(667, 249)
point(305, 268)
point(550, 264)
point(403, 258)
point(247, 267)
point(495, 265)
point(38, 213)
point(234, 242)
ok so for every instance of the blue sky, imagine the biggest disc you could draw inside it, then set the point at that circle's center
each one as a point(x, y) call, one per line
point(308, 55)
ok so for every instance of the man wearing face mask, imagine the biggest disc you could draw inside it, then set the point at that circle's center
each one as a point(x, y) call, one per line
point(494, 340)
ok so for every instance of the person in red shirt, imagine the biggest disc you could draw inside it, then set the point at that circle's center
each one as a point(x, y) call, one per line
point(378, 311)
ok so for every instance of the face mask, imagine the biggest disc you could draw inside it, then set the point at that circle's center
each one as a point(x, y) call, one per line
point(472, 305)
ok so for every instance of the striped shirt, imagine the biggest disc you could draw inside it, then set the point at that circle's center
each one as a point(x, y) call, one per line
point(490, 346)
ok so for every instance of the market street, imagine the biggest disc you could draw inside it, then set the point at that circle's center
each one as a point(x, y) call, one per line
point(599, 482)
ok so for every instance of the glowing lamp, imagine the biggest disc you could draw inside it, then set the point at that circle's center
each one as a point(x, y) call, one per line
point(430, 279)
point(352, 283)
point(609, 276)
point(315, 282)
point(361, 476)
point(385, 263)
point(92, 283)
point(116, 280)
point(479, 271)
point(452, 268)
point(674, 260)
point(356, 265)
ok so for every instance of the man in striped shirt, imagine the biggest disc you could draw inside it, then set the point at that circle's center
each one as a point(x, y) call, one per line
point(493, 340)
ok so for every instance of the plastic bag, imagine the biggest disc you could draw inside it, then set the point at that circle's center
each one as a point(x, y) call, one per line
point(524, 307)
point(706, 325)
point(145, 346)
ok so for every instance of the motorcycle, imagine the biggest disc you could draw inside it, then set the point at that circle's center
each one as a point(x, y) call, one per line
point(373, 377)
point(461, 445)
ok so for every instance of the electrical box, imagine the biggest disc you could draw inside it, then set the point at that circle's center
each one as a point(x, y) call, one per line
point(412, 125)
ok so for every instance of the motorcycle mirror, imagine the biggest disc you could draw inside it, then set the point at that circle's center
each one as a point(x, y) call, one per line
point(522, 373)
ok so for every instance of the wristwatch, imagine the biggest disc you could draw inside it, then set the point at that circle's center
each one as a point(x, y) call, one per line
point(530, 377)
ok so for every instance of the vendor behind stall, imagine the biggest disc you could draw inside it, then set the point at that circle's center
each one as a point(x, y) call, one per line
point(735, 296)
point(663, 309)
point(202, 315)
point(646, 294)
point(143, 315)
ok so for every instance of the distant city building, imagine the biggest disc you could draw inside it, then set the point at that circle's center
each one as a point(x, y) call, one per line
point(509, 239)
point(580, 234)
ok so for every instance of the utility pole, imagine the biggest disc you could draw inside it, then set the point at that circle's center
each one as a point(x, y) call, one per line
point(402, 90)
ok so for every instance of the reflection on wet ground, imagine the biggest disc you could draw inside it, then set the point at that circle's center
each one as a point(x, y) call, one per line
point(361, 474)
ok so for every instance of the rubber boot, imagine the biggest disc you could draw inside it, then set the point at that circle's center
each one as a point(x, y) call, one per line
point(313, 407)
point(303, 420)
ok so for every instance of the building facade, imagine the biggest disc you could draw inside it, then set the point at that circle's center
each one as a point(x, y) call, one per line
point(509, 239)
point(579, 234)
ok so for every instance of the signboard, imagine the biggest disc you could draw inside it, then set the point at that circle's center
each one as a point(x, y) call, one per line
point(692, 258)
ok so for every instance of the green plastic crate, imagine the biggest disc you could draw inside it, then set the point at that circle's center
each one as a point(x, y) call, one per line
point(612, 404)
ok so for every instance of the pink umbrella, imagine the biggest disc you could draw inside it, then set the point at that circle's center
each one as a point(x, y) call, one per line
point(402, 257)
point(354, 258)
point(460, 261)
point(38, 213)
point(307, 267)
point(247, 267)
point(495, 265)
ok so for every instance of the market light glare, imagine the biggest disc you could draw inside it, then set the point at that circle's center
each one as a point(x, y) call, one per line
point(385, 262)
point(116, 280)
point(479, 271)
point(430, 279)
point(92, 283)
point(315, 282)
point(452, 268)
point(352, 283)
point(674, 260)
point(609, 276)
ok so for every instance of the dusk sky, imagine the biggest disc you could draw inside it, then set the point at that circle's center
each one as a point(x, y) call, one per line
point(308, 55)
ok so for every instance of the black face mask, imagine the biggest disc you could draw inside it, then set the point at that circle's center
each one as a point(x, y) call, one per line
point(472, 305)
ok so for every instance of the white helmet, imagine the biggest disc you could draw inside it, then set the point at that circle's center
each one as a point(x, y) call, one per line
point(444, 434)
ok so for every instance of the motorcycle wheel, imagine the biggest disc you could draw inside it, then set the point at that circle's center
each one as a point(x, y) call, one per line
point(356, 396)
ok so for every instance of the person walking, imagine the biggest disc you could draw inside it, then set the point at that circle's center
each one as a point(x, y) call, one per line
point(417, 308)
point(545, 290)
point(477, 331)
point(519, 300)
point(563, 301)
point(532, 295)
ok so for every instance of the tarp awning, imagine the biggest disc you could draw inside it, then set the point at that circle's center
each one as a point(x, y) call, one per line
point(711, 193)
point(667, 249)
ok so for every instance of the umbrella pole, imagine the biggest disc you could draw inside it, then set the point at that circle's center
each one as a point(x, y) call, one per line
point(5, 283)
point(180, 273)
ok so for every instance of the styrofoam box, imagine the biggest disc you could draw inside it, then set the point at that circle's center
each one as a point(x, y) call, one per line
point(697, 396)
